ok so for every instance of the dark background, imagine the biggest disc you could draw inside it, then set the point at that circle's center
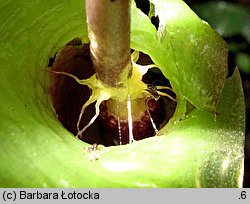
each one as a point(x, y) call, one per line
point(245, 3)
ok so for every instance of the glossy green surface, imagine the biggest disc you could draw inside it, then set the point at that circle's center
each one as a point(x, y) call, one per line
point(198, 150)
point(188, 51)
point(235, 26)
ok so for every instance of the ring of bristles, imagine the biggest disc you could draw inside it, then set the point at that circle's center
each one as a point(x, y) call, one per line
point(101, 92)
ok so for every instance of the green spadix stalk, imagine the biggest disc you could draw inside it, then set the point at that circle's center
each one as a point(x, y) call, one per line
point(109, 34)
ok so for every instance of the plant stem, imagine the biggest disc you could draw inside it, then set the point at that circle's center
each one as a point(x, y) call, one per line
point(109, 34)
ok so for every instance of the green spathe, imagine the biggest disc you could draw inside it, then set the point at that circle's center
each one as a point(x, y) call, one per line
point(189, 52)
point(198, 150)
